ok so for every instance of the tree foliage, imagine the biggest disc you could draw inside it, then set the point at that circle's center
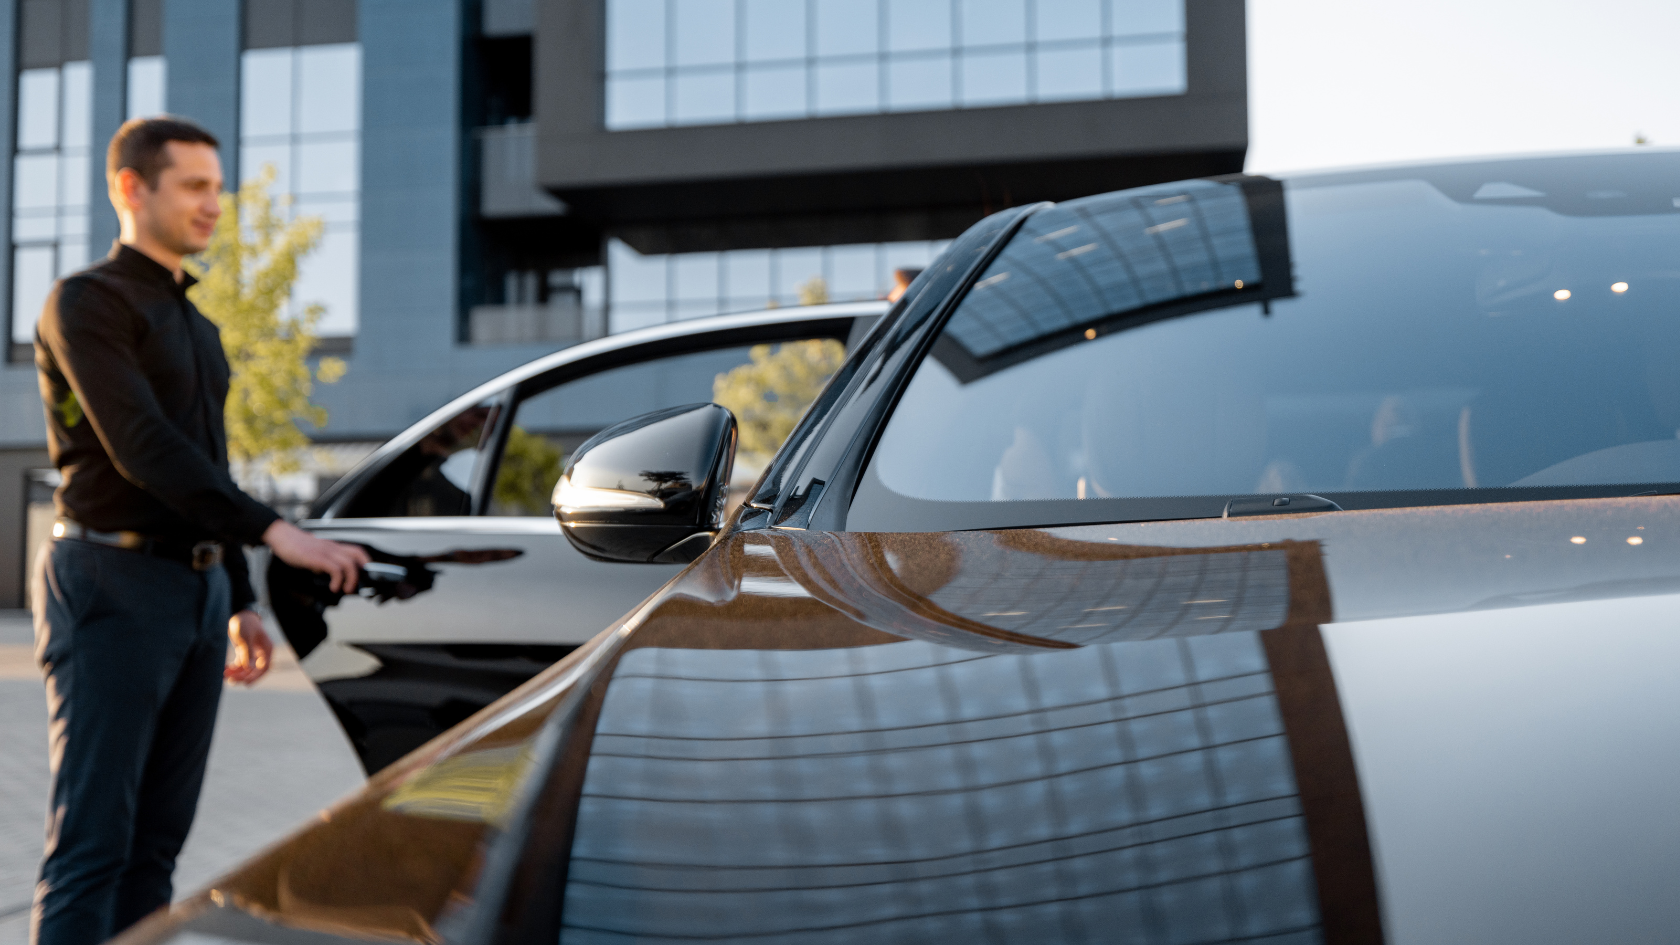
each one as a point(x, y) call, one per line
point(526, 478)
point(769, 394)
point(245, 282)
point(813, 291)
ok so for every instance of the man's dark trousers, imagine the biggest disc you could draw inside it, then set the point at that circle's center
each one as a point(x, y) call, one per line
point(133, 648)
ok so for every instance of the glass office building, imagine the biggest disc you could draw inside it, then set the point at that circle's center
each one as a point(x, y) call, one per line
point(676, 63)
point(147, 74)
point(146, 79)
point(50, 170)
point(741, 148)
point(500, 178)
point(699, 62)
point(663, 66)
point(300, 116)
point(649, 289)
point(300, 113)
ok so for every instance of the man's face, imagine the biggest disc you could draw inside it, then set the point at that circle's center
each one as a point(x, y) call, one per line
point(181, 212)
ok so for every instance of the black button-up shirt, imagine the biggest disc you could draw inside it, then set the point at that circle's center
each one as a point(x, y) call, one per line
point(135, 381)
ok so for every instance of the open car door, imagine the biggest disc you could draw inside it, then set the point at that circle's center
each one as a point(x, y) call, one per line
point(473, 589)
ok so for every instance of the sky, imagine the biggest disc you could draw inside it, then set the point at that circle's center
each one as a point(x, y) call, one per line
point(1334, 83)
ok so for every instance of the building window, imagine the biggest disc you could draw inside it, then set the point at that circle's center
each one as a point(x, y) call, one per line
point(147, 77)
point(651, 289)
point(301, 112)
point(703, 62)
point(147, 70)
point(50, 171)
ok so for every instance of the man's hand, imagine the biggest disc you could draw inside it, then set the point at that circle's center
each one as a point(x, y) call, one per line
point(250, 648)
point(298, 548)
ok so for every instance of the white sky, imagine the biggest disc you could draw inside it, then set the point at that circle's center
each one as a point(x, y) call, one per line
point(1340, 82)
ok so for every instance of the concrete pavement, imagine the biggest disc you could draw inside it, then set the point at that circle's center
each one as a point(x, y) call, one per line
point(278, 758)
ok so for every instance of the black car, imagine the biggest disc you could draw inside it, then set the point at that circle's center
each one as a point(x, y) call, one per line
point(472, 590)
point(1234, 560)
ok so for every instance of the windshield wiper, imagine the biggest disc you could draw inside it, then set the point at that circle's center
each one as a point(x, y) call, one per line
point(1279, 505)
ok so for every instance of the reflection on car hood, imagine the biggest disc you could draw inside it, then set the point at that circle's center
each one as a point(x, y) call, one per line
point(1141, 726)
point(1396, 562)
point(1451, 723)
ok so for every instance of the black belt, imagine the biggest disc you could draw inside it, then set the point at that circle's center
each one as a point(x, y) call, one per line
point(200, 557)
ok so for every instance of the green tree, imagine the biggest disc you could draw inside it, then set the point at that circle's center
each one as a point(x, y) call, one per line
point(813, 291)
point(769, 394)
point(525, 480)
point(245, 282)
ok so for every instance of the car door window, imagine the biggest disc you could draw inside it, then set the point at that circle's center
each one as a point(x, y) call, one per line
point(435, 475)
point(768, 387)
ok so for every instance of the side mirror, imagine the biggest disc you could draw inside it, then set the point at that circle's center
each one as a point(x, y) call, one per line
point(650, 489)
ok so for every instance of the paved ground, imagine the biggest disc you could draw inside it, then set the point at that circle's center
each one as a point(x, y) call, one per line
point(278, 757)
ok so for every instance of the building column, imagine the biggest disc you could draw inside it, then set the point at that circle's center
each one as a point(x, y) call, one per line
point(411, 188)
point(201, 43)
point(108, 48)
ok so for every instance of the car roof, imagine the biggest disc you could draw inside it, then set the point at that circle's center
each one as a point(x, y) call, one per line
point(600, 346)
point(691, 326)
point(1331, 173)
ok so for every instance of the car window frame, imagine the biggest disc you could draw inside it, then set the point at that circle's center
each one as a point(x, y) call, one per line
point(485, 477)
point(855, 475)
point(834, 321)
point(811, 482)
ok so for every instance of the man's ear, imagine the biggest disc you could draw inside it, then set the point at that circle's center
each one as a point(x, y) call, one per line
point(125, 188)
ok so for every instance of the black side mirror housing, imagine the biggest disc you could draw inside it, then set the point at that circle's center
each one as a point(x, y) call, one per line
point(651, 489)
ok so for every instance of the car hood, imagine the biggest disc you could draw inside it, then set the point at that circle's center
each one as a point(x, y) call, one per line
point(1449, 723)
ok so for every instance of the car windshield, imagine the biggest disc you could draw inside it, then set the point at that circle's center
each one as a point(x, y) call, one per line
point(1480, 332)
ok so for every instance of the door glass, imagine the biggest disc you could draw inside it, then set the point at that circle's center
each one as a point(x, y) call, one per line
point(435, 475)
point(767, 387)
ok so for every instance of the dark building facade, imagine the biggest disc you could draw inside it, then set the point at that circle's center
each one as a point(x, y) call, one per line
point(791, 122)
point(499, 178)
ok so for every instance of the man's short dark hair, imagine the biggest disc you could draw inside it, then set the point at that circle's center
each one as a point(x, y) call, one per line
point(140, 144)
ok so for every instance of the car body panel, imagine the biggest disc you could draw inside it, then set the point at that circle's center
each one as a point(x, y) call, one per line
point(545, 593)
point(1500, 720)
point(1518, 768)
point(519, 599)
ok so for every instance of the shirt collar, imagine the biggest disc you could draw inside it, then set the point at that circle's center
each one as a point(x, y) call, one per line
point(139, 264)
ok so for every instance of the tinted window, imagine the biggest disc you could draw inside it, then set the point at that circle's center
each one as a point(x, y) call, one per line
point(434, 476)
point(1459, 331)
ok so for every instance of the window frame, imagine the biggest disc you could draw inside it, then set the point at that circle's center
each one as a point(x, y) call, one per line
point(331, 505)
point(284, 31)
point(485, 476)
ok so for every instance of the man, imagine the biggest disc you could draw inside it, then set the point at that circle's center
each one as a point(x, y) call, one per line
point(145, 585)
point(901, 282)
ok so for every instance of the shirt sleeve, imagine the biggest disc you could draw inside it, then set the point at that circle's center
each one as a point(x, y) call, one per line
point(239, 579)
point(93, 337)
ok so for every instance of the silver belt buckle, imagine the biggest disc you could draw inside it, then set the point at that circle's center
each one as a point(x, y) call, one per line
point(206, 555)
